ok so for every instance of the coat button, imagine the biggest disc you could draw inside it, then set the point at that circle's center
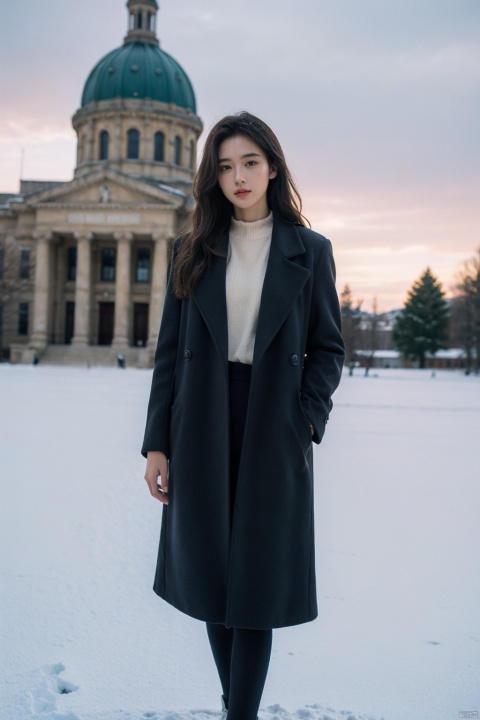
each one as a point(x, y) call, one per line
point(187, 354)
point(293, 359)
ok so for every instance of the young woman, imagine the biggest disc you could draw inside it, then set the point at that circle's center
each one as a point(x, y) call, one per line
point(249, 353)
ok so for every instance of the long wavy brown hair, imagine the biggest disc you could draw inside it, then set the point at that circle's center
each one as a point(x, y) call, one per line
point(212, 213)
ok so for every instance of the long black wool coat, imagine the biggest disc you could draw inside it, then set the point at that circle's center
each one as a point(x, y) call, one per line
point(256, 571)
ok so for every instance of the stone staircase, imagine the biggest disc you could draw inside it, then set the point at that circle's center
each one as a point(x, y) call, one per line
point(94, 356)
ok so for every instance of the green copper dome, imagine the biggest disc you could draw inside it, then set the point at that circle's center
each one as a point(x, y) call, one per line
point(139, 70)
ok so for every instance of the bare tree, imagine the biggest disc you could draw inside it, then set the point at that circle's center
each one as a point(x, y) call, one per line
point(465, 321)
point(351, 317)
point(370, 339)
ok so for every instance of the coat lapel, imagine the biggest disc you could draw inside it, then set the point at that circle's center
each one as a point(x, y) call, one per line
point(284, 280)
point(209, 295)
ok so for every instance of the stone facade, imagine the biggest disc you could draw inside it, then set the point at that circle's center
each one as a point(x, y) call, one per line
point(99, 249)
point(83, 263)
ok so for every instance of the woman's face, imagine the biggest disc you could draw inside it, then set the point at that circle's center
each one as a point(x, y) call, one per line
point(243, 176)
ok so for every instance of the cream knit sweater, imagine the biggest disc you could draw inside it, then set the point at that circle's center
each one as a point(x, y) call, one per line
point(246, 265)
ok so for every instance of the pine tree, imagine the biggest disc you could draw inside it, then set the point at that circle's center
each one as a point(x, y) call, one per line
point(422, 326)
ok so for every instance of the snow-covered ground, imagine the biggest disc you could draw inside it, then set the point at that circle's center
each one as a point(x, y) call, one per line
point(398, 558)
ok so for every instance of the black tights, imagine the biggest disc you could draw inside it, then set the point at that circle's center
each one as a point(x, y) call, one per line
point(242, 657)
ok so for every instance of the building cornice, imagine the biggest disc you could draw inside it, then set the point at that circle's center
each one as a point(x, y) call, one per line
point(105, 207)
point(128, 108)
point(143, 233)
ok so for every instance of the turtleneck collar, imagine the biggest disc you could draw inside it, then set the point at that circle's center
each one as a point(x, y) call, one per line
point(252, 230)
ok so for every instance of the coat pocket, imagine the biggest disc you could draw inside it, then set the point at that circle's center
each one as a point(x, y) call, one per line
point(304, 421)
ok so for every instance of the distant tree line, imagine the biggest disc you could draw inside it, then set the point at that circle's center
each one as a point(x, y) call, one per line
point(426, 324)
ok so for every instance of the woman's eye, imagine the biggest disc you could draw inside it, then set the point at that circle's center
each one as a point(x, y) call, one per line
point(224, 167)
point(251, 162)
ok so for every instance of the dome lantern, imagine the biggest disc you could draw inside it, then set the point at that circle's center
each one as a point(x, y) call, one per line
point(142, 15)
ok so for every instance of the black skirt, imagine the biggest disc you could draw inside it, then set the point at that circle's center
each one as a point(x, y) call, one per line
point(239, 377)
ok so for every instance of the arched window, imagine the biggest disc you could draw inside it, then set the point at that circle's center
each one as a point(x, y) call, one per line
point(139, 20)
point(152, 23)
point(133, 144)
point(103, 145)
point(159, 145)
point(149, 21)
point(178, 151)
point(132, 22)
point(81, 149)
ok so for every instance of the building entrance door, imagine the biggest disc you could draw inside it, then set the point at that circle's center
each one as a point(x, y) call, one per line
point(140, 324)
point(105, 322)
point(69, 322)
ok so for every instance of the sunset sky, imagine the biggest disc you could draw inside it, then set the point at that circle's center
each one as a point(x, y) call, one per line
point(376, 103)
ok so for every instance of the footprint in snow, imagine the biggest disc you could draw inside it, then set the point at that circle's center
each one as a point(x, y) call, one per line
point(43, 698)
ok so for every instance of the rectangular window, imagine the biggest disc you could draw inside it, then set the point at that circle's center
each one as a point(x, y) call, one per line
point(2, 255)
point(25, 263)
point(107, 271)
point(72, 263)
point(142, 270)
point(23, 318)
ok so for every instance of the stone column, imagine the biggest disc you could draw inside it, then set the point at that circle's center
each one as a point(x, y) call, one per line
point(38, 340)
point(170, 143)
point(158, 286)
point(190, 143)
point(90, 140)
point(82, 288)
point(122, 289)
point(147, 145)
point(117, 139)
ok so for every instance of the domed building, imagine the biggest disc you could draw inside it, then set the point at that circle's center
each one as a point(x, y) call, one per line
point(86, 260)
